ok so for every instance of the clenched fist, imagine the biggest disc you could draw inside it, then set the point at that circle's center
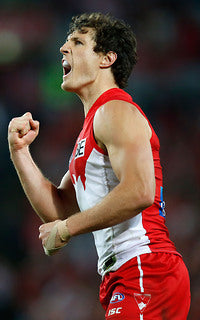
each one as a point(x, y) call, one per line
point(22, 131)
point(54, 235)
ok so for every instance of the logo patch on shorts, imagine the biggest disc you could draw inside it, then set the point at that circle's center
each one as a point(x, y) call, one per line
point(114, 311)
point(142, 300)
point(117, 297)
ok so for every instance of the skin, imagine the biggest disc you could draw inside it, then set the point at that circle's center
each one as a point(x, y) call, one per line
point(119, 128)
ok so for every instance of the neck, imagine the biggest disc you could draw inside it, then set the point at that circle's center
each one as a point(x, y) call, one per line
point(89, 95)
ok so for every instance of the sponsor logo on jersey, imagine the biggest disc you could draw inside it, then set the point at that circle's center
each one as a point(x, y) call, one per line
point(117, 297)
point(142, 300)
point(113, 311)
point(80, 150)
point(162, 212)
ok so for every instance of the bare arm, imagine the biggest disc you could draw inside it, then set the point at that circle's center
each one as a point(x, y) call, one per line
point(125, 133)
point(49, 202)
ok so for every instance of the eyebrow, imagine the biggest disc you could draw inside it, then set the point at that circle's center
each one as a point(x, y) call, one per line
point(74, 38)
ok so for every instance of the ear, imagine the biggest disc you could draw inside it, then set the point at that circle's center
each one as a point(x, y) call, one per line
point(108, 59)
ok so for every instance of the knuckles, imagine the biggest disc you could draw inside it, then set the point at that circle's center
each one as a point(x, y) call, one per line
point(21, 124)
point(20, 127)
point(28, 115)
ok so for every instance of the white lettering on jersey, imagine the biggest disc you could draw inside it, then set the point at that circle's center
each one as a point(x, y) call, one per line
point(80, 151)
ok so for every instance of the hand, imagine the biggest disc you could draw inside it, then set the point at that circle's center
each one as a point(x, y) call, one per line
point(22, 131)
point(54, 236)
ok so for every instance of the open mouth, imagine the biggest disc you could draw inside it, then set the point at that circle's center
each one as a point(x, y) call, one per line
point(66, 67)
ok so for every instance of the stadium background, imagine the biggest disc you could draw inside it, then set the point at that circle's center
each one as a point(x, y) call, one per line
point(164, 83)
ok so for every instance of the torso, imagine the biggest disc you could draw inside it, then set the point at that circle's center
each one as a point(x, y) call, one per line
point(93, 178)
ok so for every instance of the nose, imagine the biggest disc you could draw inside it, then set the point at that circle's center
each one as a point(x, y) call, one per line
point(64, 49)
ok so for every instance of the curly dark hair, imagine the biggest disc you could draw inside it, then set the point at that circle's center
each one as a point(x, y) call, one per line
point(111, 34)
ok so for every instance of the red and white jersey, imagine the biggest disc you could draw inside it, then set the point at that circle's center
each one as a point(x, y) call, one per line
point(93, 178)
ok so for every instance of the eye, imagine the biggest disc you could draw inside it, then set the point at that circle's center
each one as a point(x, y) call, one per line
point(77, 42)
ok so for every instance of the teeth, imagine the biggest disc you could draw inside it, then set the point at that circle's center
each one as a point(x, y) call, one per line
point(66, 64)
point(66, 67)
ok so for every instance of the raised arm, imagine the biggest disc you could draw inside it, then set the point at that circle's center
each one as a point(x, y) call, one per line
point(48, 201)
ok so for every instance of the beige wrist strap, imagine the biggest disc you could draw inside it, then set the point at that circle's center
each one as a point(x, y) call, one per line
point(63, 231)
point(49, 247)
point(61, 228)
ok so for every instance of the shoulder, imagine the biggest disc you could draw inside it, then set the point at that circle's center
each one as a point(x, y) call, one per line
point(119, 117)
point(114, 107)
point(118, 111)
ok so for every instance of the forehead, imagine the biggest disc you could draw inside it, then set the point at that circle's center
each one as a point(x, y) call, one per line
point(87, 34)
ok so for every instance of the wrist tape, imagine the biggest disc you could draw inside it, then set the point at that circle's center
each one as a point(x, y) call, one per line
point(63, 231)
point(61, 228)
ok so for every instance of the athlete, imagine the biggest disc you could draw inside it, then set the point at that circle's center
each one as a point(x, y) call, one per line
point(114, 185)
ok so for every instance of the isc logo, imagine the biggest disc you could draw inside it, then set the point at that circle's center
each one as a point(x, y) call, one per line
point(114, 311)
point(117, 297)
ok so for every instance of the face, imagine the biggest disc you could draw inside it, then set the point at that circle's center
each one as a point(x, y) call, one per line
point(80, 62)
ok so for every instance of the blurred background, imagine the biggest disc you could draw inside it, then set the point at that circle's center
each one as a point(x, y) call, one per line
point(164, 83)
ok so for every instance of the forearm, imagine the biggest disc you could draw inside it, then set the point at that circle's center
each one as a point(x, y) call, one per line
point(116, 207)
point(119, 205)
point(42, 194)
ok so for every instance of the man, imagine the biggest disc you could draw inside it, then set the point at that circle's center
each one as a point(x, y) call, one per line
point(114, 184)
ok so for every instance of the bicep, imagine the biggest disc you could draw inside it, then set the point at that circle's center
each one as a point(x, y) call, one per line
point(126, 134)
point(132, 161)
point(67, 194)
point(66, 183)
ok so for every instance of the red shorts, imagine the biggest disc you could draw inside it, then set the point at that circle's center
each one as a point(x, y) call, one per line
point(152, 286)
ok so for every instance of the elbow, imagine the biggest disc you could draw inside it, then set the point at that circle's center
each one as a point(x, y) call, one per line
point(138, 199)
point(145, 199)
point(146, 196)
point(139, 202)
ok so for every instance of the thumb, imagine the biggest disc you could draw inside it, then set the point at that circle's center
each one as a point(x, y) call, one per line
point(34, 124)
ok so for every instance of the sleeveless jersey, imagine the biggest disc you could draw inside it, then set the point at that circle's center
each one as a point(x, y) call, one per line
point(93, 178)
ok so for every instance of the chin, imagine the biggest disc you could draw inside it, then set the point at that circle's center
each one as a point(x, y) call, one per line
point(66, 87)
point(63, 86)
